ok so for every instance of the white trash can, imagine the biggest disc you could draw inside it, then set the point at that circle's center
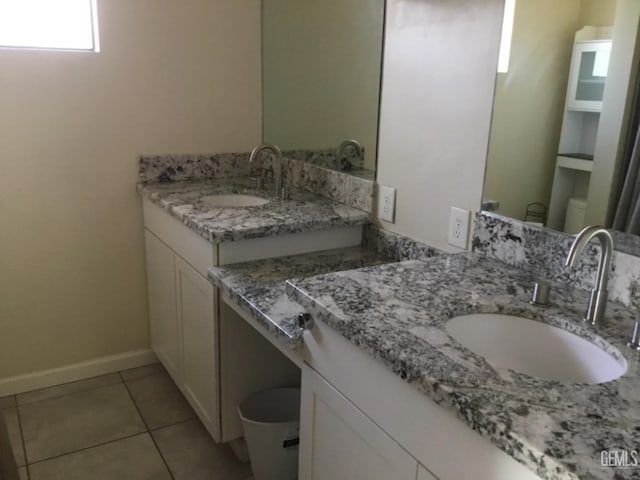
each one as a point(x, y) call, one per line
point(271, 424)
point(574, 217)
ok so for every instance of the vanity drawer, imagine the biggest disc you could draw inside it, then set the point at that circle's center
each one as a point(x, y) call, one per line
point(201, 254)
point(196, 250)
point(288, 244)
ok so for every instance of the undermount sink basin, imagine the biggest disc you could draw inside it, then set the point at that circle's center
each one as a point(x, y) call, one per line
point(233, 200)
point(535, 348)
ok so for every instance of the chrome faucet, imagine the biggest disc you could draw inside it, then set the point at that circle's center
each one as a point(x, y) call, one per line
point(277, 166)
point(598, 297)
point(350, 143)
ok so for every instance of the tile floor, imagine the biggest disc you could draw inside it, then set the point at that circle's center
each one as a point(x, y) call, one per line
point(131, 425)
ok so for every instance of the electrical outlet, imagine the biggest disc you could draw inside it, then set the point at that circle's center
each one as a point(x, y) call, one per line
point(386, 203)
point(459, 227)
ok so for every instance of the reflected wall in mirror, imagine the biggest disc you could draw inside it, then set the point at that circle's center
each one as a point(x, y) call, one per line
point(321, 78)
point(559, 127)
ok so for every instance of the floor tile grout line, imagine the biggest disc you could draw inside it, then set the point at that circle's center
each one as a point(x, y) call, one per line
point(150, 374)
point(70, 393)
point(122, 380)
point(24, 447)
point(71, 382)
point(135, 404)
point(89, 447)
point(164, 461)
point(190, 419)
point(118, 372)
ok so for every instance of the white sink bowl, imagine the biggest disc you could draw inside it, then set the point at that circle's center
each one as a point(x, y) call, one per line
point(534, 348)
point(233, 200)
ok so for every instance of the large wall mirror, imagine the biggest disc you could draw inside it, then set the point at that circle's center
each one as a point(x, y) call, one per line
point(321, 79)
point(565, 113)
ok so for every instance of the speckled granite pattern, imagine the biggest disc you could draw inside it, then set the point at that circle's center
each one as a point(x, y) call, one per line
point(339, 186)
point(304, 211)
point(326, 158)
point(259, 286)
point(543, 252)
point(396, 312)
point(394, 245)
point(176, 168)
point(347, 188)
point(626, 243)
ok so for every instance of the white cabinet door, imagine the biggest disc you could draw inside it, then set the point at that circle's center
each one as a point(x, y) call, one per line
point(196, 299)
point(588, 75)
point(163, 321)
point(424, 474)
point(337, 441)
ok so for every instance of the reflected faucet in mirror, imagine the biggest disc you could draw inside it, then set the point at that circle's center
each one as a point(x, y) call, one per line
point(344, 162)
point(598, 296)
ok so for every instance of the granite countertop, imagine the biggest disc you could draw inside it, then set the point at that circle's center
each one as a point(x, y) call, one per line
point(397, 312)
point(259, 286)
point(303, 211)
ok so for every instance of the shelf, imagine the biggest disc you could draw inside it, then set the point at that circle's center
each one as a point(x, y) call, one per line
point(582, 109)
point(581, 156)
point(574, 163)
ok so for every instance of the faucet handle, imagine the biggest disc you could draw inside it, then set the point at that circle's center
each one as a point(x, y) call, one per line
point(541, 290)
point(259, 182)
point(634, 342)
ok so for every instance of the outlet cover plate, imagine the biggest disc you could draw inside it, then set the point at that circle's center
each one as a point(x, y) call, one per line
point(386, 203)
point(459, 227)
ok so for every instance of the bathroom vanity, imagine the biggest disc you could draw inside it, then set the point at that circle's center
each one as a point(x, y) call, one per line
point(386, 391)
point(186, 233)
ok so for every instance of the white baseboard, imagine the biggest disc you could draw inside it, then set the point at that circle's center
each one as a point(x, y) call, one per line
point(77, 371)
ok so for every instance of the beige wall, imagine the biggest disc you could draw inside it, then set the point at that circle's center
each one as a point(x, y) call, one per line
point(598, 13)
point(322, 73)
point(529, 102)
point(440, 63)
point(171, 77)
point(529, 105)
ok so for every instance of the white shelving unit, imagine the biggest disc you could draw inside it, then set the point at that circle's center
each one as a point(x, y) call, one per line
point(585, 92)
point(573, 163)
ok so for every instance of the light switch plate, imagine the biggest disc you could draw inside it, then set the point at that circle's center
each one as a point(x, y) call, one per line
point(386, 203)
point(459, 227)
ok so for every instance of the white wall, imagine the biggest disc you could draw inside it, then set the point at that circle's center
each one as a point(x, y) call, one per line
point(172, 77)
point(440, 63)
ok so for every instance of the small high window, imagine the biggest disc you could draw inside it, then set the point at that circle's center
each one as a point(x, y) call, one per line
point(49, 24)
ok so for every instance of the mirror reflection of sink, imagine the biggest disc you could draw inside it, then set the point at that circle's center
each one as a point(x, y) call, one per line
point(535, 348)
point(233, 200)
